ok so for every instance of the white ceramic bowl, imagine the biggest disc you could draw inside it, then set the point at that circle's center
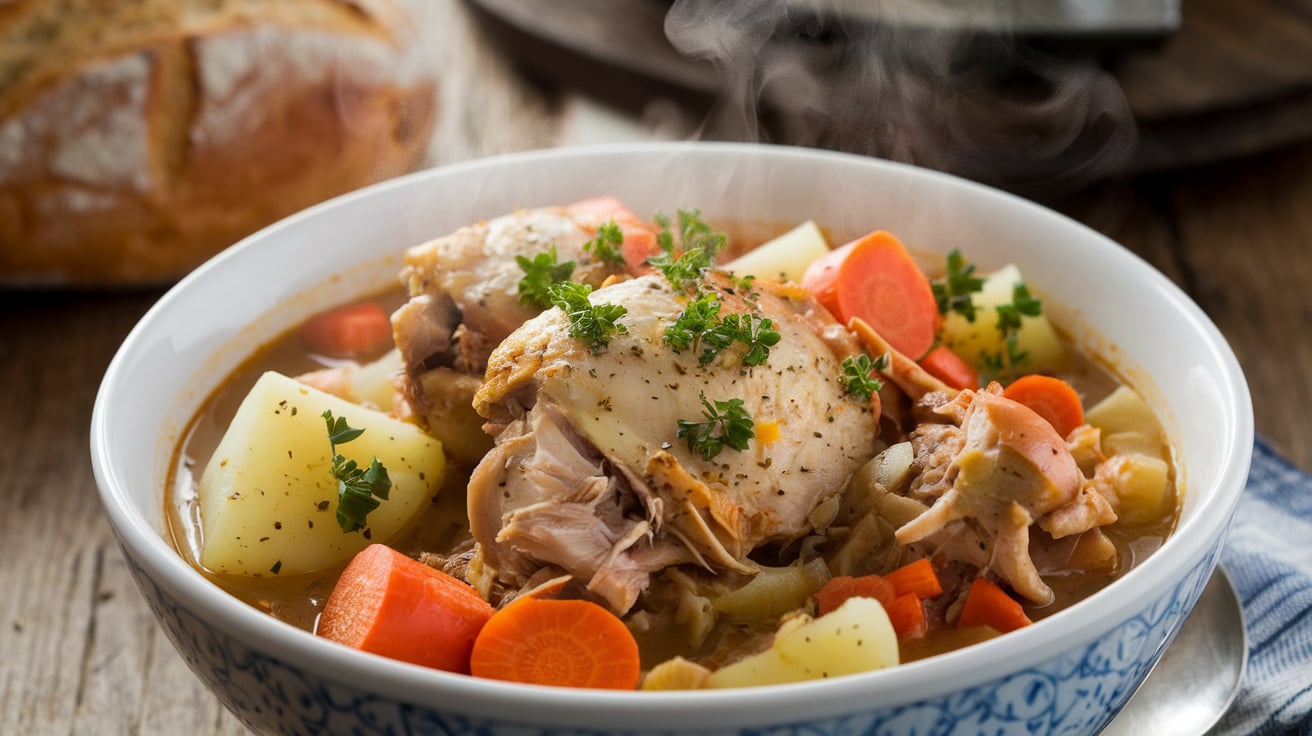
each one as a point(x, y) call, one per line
point(1069, 673)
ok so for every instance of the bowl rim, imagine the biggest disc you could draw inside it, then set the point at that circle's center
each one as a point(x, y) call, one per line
point(907, 683)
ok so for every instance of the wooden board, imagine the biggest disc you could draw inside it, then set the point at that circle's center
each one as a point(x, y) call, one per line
point(1234, 80)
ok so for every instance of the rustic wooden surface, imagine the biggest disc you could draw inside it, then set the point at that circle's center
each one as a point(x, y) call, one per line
point(80, 652)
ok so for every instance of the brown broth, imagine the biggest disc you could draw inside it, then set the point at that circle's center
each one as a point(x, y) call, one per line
point(298, 599)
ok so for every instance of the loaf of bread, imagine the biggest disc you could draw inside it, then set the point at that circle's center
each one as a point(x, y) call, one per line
point(140, 137)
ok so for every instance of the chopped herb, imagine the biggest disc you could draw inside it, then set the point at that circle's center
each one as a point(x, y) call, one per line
point(1023, 304)
point(858, 377)
point(726, 423)
point(540, 274)
point(277, 567)
point(757, 333)
point(358, 490)
point(594, 324)
point(701, 314)
point(952, 292)
point(683, 269)
point(605, 247)
point(697, 247)
point(745, 286)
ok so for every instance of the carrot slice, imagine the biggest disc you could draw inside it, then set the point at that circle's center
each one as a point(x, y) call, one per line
point(566, 643)
point(876, 279)
point(915, 578)
point(391, 605)
point(950, 368)
point(907, 614)
point(1051, 398)
point(835, 592)
point(353, 331)
point(988, 605)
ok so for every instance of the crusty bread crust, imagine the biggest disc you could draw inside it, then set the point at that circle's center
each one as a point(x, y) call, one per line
point(140, 137)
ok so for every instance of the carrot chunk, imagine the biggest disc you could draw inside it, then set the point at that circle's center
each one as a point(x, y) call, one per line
point(835, 592)
point(875, 278)
point(907, 614)
point(915, 578)
point(566, 643)
point(1051, 398)
point(988, 605)
point(639, 238)
point(950, 368)
point(353, 331)
point(393, 606)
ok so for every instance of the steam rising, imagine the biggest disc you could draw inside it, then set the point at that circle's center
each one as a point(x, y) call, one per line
point(914, 83)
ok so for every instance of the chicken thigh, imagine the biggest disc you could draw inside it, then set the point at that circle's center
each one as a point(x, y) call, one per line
point(590, 477)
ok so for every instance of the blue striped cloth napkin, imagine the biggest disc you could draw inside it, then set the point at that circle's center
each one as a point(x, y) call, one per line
point(1269, 559)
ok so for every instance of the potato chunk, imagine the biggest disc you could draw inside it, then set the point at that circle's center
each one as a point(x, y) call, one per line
point(786, 257)
point(855, 637)
point(971, 340)
point(268, 499)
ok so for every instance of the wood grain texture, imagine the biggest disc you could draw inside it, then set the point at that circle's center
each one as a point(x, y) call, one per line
point(79, 650)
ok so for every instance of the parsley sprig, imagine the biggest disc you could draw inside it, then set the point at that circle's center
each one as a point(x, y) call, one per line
point(858, 378)
point(953, 291)
point(358, 490)
point(756, 332)
point(699, 327)
point(1023, 304)
point(594, 324)
point(683, 262)
point(606, 246)
point(726, 423)
point(540, 274)
point(700, 315)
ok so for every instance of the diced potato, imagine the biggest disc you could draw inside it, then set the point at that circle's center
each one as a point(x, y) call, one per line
point(676, 674)
point(774, 591)
point(1143, 488)
point(268, 499)
point(856, 637)
point(971, 340)
point(1128, 424)
point(786, 257)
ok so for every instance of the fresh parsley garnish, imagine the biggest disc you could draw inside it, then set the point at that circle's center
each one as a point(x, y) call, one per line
point(726, 423)
point(858, 378)
point(683, 269)
point(952, 292)
point(757, 333)
point(699, 327)
point(540, 274)
point(358, 490)
point(697, 246)
point(1023, 304)
point(605, 247)
point(701, 314)
point(594, 324)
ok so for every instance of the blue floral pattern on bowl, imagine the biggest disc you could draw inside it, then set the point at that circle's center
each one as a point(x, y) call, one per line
point(1075, 692)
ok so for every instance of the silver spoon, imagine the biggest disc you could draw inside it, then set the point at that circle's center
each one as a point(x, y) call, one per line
point(1198, 677)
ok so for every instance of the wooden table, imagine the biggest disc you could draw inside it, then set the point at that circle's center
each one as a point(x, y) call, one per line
point(80, 652)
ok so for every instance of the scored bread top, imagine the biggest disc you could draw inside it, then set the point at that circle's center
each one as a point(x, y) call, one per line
point(138, 137)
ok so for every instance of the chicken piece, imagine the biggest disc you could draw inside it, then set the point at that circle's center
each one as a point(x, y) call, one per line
point(1004, 468)
point(464, 300)
point(589, 475)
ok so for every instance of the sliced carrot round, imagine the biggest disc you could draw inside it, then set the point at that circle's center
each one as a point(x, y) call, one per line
point(565, 643)
point(393, 606)
point(875, 278)
point(1051, 398)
